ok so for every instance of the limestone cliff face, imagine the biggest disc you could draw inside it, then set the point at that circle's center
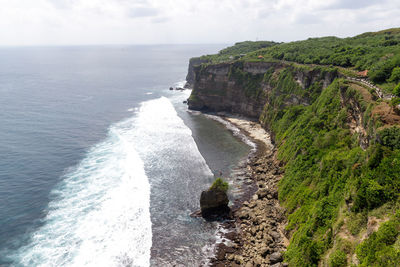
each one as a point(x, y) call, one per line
point(250, 88)
point(190, 77)
point(216, 89)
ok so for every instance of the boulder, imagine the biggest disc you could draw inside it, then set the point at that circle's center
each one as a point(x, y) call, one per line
point(276, 236)
point(265, 251)
point(262, 192)
point(275, 257)
point(214, 203)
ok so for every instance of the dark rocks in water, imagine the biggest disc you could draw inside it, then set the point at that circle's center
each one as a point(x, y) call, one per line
point(185, 102)
point(179, 89)
point(214, 203)
point(171, 88)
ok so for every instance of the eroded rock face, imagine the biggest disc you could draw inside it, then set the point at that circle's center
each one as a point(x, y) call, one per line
point(214, 203)
point(191, 74)
point(217, 89)
point(246, 87)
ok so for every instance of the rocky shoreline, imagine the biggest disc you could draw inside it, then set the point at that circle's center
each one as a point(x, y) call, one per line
point(255, 236)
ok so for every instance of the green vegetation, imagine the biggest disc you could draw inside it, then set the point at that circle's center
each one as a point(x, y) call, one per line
point(338, 259)
point(333, 186)
point(378, 52)
point(245, 47)
point(391, 137)
point(386, 70)
point(395, 77)
point(237, 51)
point(382, 247)
point(326, 169)
point(220, 184)
point(250, 83)
point(396, 90)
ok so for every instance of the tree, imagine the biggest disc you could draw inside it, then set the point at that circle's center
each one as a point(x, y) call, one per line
point(396, 90)
point(395, 77)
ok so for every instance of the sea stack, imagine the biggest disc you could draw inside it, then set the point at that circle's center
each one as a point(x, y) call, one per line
point(214, 201)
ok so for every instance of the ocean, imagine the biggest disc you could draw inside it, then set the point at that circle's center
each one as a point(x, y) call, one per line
point(100, 163)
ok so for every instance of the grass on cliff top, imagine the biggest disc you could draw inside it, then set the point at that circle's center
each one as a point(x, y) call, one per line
point(220, 184)
point(237, 51)
point(378, 52)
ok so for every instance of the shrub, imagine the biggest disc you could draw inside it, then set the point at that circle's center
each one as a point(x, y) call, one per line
point(378, 249)
point(390, 137)
point(370, 195)
point(396, 90)
point(338, 259)
point(395, 77)
point(375, 157)
point(220, 184)
point(394, 102)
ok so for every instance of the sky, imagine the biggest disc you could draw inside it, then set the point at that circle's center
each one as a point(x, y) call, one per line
point(86, 22)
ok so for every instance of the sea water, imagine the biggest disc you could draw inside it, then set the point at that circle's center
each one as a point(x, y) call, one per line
point(101, 164)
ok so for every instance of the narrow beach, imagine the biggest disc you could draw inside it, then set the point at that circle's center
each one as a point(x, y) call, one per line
point(255, 236)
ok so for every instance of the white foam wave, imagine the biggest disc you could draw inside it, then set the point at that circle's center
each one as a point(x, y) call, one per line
point(100, 213)
point(163, 133)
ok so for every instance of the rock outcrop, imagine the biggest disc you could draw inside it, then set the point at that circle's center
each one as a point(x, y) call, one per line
point(214, 203)
point(190, 77)
point(246, 87)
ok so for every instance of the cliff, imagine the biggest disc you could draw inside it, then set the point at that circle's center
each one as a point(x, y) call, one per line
point(339, 145)
point(190, 77)
point(246, 87)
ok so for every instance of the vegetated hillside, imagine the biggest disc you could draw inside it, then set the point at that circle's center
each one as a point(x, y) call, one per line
point(377, 52)
point(340, 142)
point(238, 50)
point(335, 192)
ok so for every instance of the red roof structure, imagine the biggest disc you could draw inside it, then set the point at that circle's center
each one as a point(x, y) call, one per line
point(363, 73)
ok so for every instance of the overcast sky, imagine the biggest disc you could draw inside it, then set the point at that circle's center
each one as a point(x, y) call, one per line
point(66, 22)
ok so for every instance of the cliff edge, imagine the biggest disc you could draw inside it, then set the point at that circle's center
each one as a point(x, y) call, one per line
point(336, 137)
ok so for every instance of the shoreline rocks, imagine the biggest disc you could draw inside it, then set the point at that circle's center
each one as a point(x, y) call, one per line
point(178, 88)
point(256, 233)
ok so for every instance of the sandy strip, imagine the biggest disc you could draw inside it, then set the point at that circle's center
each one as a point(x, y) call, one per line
point(253, 129)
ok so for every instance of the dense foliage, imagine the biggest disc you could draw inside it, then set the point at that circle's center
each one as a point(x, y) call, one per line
point(327, 170)
point(333, 188)
point(245, 47)
point(237, 51)
point(382, 248)
point(378, 52)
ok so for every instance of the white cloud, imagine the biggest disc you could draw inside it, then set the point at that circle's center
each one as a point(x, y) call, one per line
point(27, 22)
